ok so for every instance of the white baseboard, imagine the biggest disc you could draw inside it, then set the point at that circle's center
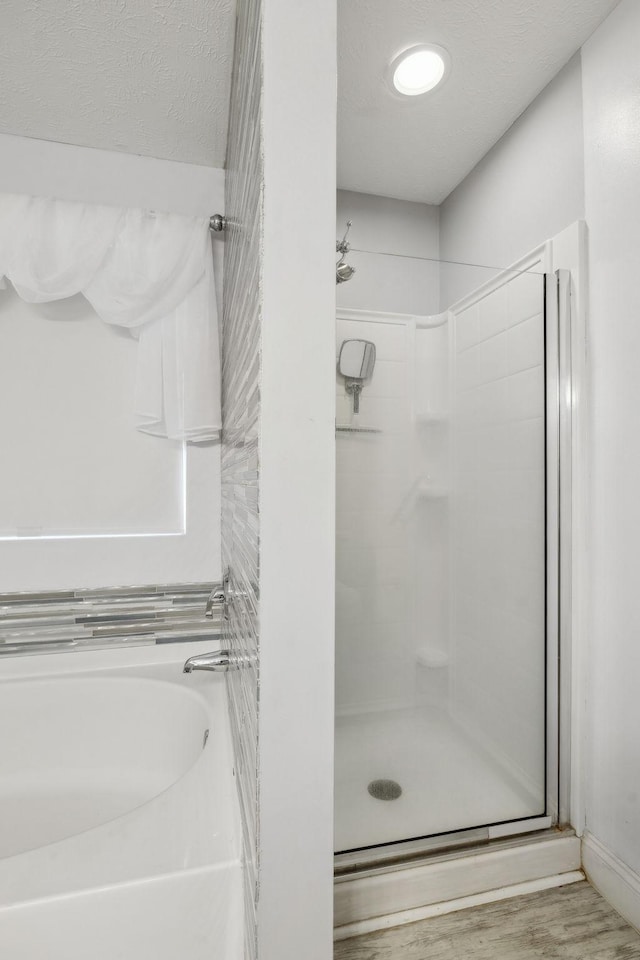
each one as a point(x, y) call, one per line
point(451, 906)
point(612, 878)
point(396, 891)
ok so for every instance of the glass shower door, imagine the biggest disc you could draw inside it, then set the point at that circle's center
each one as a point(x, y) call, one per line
point(441, 566)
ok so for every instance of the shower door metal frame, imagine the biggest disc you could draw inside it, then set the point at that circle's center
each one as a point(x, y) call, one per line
point(563, 392)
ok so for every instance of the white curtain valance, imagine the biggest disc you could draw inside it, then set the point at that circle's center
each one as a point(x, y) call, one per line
point(149, 272)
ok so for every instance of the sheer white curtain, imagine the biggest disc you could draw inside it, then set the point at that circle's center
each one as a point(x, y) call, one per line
point(149, 272)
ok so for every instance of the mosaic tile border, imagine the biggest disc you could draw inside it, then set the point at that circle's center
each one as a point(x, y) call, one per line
point(67, 620)
point(241, 343)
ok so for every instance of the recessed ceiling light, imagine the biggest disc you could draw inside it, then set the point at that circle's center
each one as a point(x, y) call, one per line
point(419, 69)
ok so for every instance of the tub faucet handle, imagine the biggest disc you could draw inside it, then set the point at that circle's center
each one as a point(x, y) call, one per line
point(220, 596)
point(217, 598)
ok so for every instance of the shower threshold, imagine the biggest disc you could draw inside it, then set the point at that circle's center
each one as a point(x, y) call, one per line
point(376, 894)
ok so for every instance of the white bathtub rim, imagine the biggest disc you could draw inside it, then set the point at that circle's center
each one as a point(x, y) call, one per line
point(198, 915)
point(203, 870)
point(119, 657)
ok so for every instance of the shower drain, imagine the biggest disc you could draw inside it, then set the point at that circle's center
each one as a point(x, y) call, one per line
point(384, 789)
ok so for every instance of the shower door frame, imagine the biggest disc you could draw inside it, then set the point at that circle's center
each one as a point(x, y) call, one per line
point(564, 299)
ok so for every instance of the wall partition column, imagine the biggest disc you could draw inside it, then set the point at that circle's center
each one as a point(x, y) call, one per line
point(278, 465)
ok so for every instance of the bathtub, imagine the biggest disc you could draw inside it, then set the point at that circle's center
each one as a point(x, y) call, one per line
point(119, 823)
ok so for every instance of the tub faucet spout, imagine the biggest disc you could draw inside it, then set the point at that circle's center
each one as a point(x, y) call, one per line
point(217, 662)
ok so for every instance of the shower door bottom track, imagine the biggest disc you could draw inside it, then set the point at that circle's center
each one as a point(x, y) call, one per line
point(382, 855)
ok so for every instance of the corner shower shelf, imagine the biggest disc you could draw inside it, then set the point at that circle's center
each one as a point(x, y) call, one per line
point(347, 429)
point(432, 493)
point(432, 657)
point(435, 417)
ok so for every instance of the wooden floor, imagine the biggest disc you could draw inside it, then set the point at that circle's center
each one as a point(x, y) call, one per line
point(567, 923)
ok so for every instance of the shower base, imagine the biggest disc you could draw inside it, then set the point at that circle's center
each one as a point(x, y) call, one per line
point(448, 782)
point(449, 785)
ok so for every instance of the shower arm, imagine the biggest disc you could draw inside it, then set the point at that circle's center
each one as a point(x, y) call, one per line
point(343, 246)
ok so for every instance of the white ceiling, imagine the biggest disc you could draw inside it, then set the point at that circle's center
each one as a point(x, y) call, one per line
point(153, 76)
point(503, 53)
point(141, 76)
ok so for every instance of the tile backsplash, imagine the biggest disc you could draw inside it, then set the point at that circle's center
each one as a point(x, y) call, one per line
point(241, 423)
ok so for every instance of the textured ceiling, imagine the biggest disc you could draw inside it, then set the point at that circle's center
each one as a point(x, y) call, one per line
point(503, 53)
point(152, 77)
point(140, 76)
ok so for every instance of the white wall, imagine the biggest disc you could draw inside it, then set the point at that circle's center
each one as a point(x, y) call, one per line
point(611, 79)
point(44, 168)
point(528, 188)
point(49, 169)
point(297, 482)
point(404, 283)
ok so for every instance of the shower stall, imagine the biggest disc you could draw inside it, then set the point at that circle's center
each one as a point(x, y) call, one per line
point(447, 549)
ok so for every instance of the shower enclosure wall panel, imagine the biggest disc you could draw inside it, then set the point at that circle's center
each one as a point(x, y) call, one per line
point(391, 567)
point(431, 520)
point(499, 534)
point(374, 597)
